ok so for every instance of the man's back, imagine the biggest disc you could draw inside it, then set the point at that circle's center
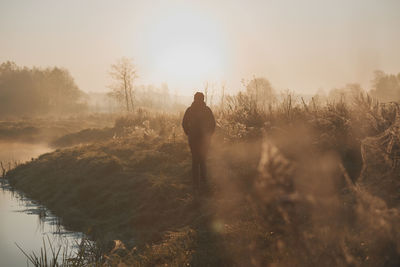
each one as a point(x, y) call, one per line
point(198, 120)
point(199, 124)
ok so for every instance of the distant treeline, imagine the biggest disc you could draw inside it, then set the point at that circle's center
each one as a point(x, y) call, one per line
point(38, 91)
point(41, 91)
point(385, 88)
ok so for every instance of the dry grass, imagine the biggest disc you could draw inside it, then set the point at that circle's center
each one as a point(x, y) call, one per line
point(293, 184)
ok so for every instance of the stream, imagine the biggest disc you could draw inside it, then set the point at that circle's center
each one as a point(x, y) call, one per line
point(22, 220)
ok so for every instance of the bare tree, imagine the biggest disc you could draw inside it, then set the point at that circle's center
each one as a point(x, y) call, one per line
point(123, 72)
point(260, 92)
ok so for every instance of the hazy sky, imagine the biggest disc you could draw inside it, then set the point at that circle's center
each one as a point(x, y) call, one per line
point(300, 45)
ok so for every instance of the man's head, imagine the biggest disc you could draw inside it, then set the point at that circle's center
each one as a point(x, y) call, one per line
point(198, 97)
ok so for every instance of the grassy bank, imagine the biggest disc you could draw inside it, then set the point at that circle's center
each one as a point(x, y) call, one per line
point(294, 185)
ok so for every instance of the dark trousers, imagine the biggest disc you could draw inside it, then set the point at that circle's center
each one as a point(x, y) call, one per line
point(199, 149)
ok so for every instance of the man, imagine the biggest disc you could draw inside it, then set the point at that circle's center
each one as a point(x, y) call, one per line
point(199, 125)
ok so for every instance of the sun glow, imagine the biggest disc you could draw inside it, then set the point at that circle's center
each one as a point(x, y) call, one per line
point(187, 49)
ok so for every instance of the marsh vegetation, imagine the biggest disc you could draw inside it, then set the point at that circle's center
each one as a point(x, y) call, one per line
point(294, 180)
point(293, 183)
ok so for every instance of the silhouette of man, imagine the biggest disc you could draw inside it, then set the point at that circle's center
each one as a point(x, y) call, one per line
point(199, 125)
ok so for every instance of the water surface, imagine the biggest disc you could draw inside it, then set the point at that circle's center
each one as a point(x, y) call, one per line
point(22, 221)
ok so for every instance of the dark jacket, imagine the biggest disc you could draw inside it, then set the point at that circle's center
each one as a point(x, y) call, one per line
point(198, 121)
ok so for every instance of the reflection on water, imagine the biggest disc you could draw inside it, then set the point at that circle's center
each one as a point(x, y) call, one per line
point(24, 222)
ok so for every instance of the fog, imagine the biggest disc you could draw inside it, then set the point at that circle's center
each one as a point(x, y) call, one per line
point(296, 141)
point(301, 46)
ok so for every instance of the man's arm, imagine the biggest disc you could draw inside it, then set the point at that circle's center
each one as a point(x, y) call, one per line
point(185, 122)
point(211, 121)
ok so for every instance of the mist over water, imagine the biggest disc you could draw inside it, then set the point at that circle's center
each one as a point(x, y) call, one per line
point(21, 152)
